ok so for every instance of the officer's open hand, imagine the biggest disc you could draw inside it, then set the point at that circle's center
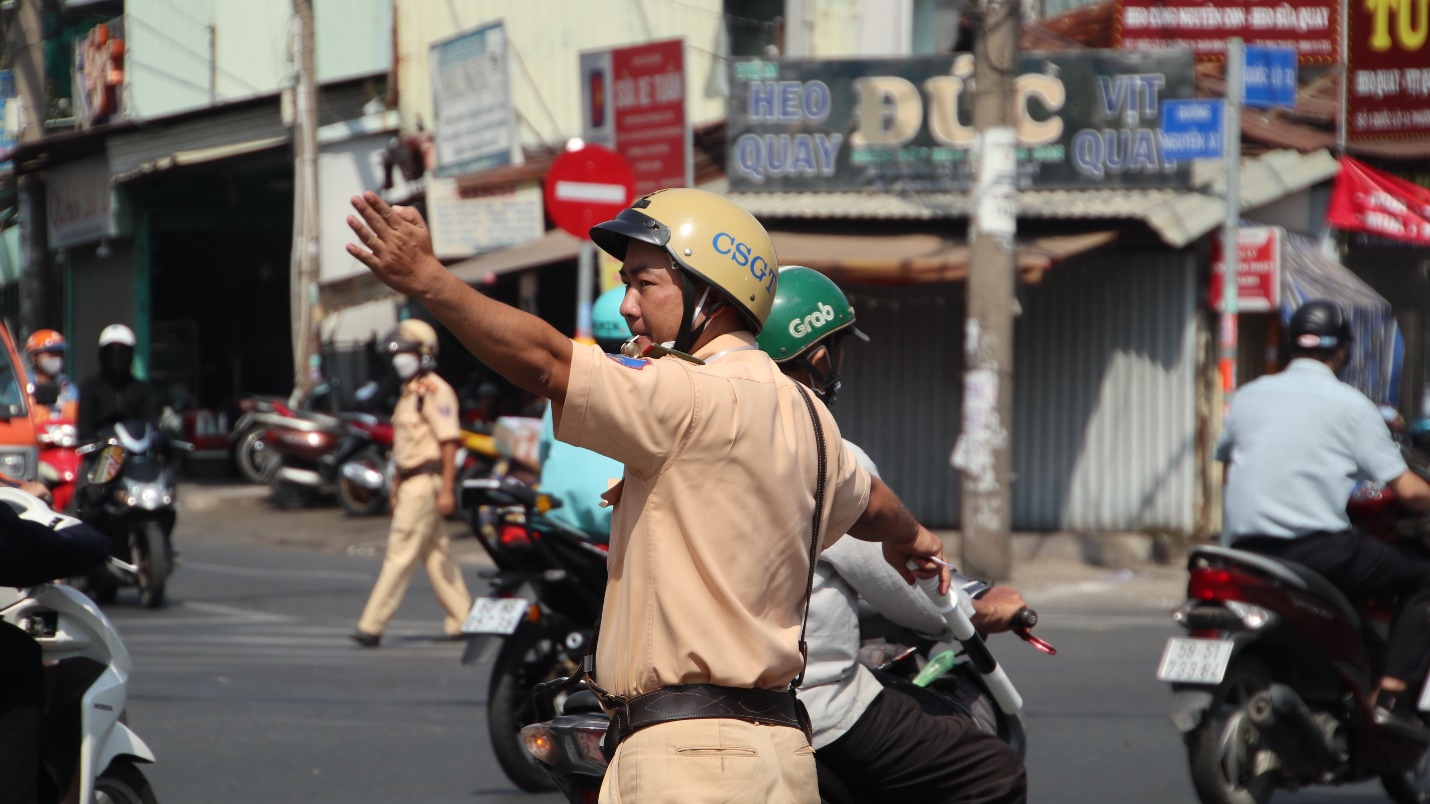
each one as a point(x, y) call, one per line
point(993, 612)
point(398, 245)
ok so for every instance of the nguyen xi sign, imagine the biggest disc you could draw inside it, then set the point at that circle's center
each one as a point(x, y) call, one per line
point(1085, 118)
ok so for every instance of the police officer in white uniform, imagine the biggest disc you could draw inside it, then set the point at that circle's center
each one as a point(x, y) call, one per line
point(1296, 443)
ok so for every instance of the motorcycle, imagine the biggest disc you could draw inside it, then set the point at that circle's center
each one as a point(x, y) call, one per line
point(569, 741)
point(92, 752)
point(365, 480)
point(1272, 684)
point(545, 594)
point(306, 456)
point(132, 497)
point(59, 460)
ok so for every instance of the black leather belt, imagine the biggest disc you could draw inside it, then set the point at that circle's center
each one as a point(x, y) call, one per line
point(699, 702)
point(428, 468)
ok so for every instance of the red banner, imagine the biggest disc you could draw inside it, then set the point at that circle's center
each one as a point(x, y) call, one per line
point(1366, 200)
point(1389, 92)
point(1310, 27)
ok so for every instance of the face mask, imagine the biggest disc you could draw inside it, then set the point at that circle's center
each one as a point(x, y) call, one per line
point(406, 365)
point(51, 364)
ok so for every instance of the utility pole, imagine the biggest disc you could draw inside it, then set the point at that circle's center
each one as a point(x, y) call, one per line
point(1231, 226)
point(307, 360)
point(983, 452)
point(27, 54)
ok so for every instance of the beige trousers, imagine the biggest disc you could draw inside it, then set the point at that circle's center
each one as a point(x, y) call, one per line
point(697, 761)
point(418, 534)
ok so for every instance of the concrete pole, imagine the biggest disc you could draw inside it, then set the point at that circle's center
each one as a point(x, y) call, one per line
point(304, 274)
point(26, 47)
point(983, 452)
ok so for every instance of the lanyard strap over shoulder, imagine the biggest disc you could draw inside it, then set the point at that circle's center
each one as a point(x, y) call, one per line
point(818, 527)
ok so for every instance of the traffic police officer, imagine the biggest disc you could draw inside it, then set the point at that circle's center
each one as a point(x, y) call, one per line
point(424, 449)
point(1296, 443)
point(716, 516)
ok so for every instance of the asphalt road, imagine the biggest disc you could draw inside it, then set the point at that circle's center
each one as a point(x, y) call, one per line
point(247, 688)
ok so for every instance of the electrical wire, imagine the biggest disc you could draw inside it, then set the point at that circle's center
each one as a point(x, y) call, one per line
point(191, 18)
point(205, 59)
point(537, 87)
point(753, 23)
point(165, 73)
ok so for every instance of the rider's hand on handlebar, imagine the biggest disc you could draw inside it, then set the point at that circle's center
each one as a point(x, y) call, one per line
point(37, 490)
point(925, 546)
point(993, 612)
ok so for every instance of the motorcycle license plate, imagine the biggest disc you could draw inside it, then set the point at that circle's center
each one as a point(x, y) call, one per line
point(495, 615)
point(1194, 661)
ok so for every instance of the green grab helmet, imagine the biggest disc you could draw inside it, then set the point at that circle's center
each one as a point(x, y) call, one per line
point(607, 323)
point(808, 308)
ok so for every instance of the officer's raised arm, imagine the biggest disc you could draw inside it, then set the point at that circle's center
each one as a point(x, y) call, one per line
point(397, 247)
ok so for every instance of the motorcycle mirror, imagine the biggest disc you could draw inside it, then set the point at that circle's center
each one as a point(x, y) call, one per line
point(47, 393)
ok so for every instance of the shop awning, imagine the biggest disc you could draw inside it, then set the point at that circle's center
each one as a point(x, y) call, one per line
point(554, 246)
point(201, 156)
point(908, 258)
point(1372, 202)
point(1177, 216)
point(1309, 273)
point(351, 291)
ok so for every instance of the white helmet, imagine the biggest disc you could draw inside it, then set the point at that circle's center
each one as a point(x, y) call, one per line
point(116, 333)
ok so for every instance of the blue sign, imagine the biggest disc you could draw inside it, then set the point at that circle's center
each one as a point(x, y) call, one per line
point(1193, 129)
point(1270, 77)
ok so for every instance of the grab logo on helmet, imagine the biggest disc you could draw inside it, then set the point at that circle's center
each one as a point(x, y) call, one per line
point(800, 327)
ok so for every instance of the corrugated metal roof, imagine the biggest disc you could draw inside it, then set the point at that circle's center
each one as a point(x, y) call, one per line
point(1177, 216)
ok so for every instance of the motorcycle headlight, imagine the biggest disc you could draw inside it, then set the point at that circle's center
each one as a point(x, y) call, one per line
point(19, 463)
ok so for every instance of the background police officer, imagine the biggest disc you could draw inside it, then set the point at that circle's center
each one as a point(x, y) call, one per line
point(424, 448)
point(1295, 444)
point(711, 536)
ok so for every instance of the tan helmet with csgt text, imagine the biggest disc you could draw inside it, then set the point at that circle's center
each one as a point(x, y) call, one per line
point(709, 237)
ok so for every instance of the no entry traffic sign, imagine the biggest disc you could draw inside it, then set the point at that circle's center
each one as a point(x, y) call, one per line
point(586, 186)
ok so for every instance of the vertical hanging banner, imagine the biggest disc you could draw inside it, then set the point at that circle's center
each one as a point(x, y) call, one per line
point(633, 102)
point(1389, 63)
point(1258, 275)
point(475, 122)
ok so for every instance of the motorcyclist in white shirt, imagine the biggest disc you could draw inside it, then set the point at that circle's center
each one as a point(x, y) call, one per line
point(884, 745)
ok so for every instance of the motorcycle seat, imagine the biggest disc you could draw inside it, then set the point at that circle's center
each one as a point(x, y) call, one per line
point(1297, 576)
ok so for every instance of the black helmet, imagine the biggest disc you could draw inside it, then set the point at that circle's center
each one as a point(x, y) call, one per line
point(1319, 326)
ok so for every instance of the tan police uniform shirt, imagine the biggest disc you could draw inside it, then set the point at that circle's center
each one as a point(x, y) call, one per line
point(417, 435)
point(709, 552)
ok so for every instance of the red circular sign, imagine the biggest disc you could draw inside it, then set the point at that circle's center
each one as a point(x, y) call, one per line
point(587, 186)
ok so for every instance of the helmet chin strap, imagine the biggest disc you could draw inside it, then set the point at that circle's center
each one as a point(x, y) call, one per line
point(687, 336)
point(826, 385)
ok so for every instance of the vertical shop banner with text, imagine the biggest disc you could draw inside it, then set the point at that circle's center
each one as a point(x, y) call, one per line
point(475, 120)
point(1389, 91)
point(1258, 275)
point(1090, 118)
point(633, 102)
point(1310, 27)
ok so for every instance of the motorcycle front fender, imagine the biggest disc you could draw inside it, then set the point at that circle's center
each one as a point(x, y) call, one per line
point(123, 742)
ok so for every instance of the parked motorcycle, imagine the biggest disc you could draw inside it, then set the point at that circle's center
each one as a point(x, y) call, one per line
point(365, 480)
point(91, 750)
point(306, 455)
point(1272, 684)
point(545, 594)
point(132, 497)
point(568, 743)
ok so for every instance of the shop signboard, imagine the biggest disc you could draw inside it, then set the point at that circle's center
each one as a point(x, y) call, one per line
point(633, 102)
point(470, 223)
point(1259, 272)
point(1084, 119)
point(1389, 90)
point(475, 121)
point(1310, 27)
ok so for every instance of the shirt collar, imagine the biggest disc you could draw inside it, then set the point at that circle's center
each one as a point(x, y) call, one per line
point(722, 343)
point(1308, 365)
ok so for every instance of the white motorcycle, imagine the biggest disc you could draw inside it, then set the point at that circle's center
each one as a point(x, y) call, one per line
point(90, 748)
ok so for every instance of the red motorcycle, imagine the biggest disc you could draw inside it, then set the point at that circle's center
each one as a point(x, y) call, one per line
point(59, 462)
point(1272, 684)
